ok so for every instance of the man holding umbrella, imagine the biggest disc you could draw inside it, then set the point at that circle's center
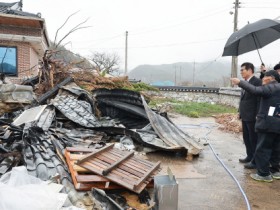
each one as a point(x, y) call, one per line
point(267, 126)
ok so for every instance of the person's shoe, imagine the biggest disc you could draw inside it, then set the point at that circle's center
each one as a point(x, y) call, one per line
point(245, 160)
point(275, 175)
point(250, 165)
point(261, 178)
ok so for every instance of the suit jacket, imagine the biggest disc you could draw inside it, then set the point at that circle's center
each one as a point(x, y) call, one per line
point(249, 103)
point(270, 97)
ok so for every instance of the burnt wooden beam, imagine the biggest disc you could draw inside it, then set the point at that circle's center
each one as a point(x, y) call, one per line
point(54, 91)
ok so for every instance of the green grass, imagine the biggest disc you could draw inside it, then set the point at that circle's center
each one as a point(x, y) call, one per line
point(194, 109)
point(141, 86)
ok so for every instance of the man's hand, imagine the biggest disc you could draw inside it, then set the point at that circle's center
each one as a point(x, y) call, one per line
point(263, 68)
point(235, 81)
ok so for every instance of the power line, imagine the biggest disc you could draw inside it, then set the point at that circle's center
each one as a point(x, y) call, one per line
point(258, 2)
point(159, 46)
point(150, 30)
point(260, 7)
point(182, 43)
point(101, 39)
point(179, 24)
point(209, 64)
point(176, 20)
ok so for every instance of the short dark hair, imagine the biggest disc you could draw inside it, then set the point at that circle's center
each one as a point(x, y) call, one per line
point(273, 74)
point(277, 66)
point(248, 66)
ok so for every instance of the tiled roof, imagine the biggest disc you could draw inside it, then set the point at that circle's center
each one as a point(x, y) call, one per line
point(21, 13)
point(7, 8)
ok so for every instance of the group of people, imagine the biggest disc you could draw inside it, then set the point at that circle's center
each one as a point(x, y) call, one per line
point(259, 111)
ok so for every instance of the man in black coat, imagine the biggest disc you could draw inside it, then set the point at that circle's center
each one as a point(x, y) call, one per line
point(263, 69)
point(267, 156)
point(248, 109)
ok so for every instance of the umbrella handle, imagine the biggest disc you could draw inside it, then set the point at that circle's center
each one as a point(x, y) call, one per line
point(260, 55)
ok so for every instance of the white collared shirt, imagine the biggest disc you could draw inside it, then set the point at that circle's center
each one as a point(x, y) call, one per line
point(249, 78)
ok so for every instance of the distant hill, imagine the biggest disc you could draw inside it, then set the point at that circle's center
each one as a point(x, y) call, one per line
point(205, 72)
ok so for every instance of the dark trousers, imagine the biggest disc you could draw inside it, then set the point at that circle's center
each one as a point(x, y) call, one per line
point(268, 153)
point(250, 138)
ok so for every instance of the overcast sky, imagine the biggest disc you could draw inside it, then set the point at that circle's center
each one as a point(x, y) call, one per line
point(160, 31)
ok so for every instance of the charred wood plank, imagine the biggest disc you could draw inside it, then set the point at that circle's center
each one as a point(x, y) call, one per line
point(54, 91)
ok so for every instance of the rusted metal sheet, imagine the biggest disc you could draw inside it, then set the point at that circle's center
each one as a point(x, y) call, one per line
point(170, 133)
point(121, 167)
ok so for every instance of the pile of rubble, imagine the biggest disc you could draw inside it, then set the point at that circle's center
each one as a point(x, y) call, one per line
point(229, 122)
point(84, 140)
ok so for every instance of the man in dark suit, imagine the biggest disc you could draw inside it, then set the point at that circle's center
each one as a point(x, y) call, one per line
point(248, 109)
point(267, 155)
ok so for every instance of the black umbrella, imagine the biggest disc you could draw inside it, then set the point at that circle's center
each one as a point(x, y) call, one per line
point(252, 37)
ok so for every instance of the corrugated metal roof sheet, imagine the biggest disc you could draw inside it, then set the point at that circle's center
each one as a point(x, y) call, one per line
point(170, 133)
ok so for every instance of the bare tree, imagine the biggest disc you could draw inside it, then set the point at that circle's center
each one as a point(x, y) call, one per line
point(105, 62)
point(75, 28)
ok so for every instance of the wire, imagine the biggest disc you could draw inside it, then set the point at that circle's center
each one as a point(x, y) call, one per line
point(233, 177)
point(204, 125)
point(165, 45)
point(229, 172)
point(179, 24)
point(182, 43)
point(133, 32)
point(258, 2)
point(102, 39)
point(277, 8)
point(209, 64)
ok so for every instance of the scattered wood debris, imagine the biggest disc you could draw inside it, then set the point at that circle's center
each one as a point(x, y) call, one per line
point(121, 167)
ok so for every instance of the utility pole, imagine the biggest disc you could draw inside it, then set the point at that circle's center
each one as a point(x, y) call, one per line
point(125, 66)
point(234, 61)
point(175, 79)
point(180, 75)
point(193, 73)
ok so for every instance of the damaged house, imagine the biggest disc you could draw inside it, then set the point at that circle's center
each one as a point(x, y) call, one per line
point(84, 139)
point(23, 41)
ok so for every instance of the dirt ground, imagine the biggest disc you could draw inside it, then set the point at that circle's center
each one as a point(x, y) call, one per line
point(204, 183)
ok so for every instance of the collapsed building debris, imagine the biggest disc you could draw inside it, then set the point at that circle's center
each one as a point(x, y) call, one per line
point(14, 97)
point(53, 136)
point(121, 167)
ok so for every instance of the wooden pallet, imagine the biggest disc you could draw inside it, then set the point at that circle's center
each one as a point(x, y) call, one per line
point(121, 167)
point(84, 179)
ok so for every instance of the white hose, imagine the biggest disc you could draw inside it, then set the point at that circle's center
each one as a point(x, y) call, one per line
point(225, 167)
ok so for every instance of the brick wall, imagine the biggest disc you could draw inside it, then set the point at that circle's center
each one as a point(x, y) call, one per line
point(20, 31)
point(33, 62)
